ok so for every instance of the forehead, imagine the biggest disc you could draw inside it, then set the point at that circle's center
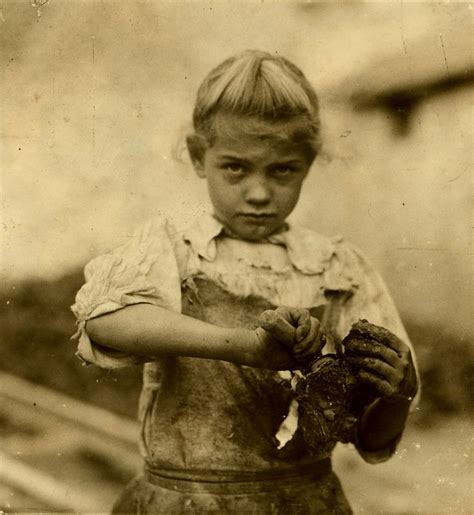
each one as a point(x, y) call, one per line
point(246, 135)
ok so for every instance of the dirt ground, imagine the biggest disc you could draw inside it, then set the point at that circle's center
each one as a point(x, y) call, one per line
point(431, 473)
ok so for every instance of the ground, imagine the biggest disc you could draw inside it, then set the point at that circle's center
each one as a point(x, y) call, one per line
point(431, 473)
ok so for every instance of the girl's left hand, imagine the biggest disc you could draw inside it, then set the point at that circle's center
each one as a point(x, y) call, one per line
point(385, 363)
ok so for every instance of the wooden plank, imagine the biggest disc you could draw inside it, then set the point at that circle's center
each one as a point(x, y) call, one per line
point(71, 409)
point(45, 488)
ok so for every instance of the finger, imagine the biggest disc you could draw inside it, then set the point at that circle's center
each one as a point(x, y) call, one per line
point(278, 327)
point(383, 387)
point(366, 330)
point(303, 324)
point(311, 337)
point(298, 318)
point(295, 316)
point(284, 312)
point(371, 348)
point(380, 368)
point(396, 344)
point(312, 343)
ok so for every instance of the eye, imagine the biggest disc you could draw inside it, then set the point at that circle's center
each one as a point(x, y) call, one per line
point(234, 169)
point(283, 171)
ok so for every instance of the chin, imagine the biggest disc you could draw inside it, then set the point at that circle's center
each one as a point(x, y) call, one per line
point(249, 231)
point(254, 235)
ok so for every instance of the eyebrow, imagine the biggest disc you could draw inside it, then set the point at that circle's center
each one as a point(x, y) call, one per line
point(229, 157)
point(289, 162)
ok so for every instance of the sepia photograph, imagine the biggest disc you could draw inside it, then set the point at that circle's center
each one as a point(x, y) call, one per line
point(236, 257)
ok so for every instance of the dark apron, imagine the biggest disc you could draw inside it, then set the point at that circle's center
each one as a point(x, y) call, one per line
point(209, 430)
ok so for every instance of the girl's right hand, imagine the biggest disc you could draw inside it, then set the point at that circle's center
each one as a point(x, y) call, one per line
point(289, 337)
point(271, 353)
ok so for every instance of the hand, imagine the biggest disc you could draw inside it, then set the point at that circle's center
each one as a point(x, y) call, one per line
point(268, 352)
point(382, 360)
point(295, 329)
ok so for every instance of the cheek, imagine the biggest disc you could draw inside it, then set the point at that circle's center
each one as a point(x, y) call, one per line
point(288, 195)
point(222, 193)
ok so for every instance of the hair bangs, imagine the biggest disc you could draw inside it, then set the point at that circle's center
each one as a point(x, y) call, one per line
point(255, 84)
point(258, 87)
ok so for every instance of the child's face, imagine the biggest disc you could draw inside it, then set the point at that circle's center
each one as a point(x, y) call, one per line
point(254, 182)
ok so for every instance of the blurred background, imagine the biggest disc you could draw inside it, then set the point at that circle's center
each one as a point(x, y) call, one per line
point(96, 98)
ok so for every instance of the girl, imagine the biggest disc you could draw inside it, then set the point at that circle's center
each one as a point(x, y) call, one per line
point(216, 397)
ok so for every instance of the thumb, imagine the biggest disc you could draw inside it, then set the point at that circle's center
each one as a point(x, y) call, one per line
point(278, 327)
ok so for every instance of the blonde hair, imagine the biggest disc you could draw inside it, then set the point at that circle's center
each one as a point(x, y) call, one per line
point(259, 85)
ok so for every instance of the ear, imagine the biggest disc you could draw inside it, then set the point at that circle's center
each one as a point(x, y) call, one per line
point(197, 147)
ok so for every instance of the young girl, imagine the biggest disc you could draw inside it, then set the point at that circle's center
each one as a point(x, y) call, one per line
point(187, 303)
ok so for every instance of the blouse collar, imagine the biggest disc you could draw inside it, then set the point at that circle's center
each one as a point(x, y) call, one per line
point(308, 251)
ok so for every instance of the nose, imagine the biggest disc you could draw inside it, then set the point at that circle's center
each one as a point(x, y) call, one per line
point(258, 192)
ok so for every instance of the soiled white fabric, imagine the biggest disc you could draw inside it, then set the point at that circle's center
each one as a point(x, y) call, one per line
point(292, 268)
point(295, 267)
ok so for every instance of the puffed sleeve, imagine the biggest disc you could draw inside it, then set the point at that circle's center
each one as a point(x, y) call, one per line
point(372, 301)
point(143, 270)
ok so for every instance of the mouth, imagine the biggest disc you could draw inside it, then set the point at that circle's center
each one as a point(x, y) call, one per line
point(258, 220)
point(258, 215)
